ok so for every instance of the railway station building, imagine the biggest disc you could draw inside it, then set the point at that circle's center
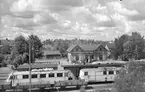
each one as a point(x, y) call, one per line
point(87, 53)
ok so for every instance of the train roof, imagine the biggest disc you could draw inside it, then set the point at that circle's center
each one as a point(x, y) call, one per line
point(92, 69)
point(36, 66)
point(25, 67)
point(100, 69)
point(39, 71)
point(96, 65)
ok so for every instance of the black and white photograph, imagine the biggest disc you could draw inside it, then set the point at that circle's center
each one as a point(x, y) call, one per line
point(72, 46)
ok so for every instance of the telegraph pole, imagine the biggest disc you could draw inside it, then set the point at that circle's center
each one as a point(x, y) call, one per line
point(30, 47)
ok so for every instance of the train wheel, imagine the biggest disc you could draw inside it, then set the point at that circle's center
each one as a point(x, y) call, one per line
point(78, 86)
point(62, 87)
point(82, 89)
point(25, 90)
point(42, 89)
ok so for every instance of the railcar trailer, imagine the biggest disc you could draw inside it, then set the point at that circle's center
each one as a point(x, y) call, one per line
point(75, 69)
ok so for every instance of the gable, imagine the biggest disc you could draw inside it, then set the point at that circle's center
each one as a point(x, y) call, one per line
point(77, 49)
point(101, 48)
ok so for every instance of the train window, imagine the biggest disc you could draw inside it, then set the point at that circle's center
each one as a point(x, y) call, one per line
point(117, 72)
point(34, 75)
point(51, 75)
point(25, 76)
point(85, 73)
point(66, 74)
point(104, 72)
point(59, 74)
point(42, 75)
point(111, 72)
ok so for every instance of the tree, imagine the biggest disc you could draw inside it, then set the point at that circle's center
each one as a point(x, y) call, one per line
point(6, 49)
point(133, 80)
point(20, 45)
point(2, 63)
point(138, 41)
point(36, 46)
point(134, 47)
point(1, 58)
point(17, 60)
point(118, 50)
point(25, 58)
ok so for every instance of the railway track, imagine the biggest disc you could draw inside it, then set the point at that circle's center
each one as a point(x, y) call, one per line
point(91, 86)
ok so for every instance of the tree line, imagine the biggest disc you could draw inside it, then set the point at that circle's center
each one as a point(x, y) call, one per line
point(18, 53)
point(125, 47)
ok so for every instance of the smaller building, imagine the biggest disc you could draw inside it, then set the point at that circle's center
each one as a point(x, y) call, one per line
point(52, 54)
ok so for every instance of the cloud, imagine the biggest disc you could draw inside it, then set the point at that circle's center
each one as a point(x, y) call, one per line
point(44, 18)
point(137, 6)
point(87, 19)
point(54, 5)
point(17, 22)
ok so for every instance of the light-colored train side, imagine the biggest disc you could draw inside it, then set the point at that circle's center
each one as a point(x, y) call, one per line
point(101, 74)
point(39, 77)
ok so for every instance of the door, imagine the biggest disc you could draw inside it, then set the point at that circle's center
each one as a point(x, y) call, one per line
point(13, 80)
point(101, 57)
point(111, 75)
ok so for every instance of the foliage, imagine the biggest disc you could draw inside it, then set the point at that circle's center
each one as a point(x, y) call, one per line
point(20, 45)
point(129, 47)
point(36, 45)
point(2, 63)
point(1, 58)
point(6, 49)
point(132, 80)
point(25, 58)
point(119, 42)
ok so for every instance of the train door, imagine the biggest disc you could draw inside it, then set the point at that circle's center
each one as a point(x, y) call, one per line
point(105, 75)
point(111, 75)
point(13, 80)
point(87, 76)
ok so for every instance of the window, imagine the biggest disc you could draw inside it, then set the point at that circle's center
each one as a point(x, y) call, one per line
point(25, 76)
point(59, 74)
point(117, 72)
point(42, 75)
point(104, 72)
point(66, 74)
point(34, 75)
point(85, 73)
point(111, 72)
point(92, 56)
point(100, 49)
point(51, 75)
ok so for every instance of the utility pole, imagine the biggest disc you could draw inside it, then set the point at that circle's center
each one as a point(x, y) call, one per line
point(30, 47)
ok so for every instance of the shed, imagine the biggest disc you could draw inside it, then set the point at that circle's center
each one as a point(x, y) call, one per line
point(52, 54)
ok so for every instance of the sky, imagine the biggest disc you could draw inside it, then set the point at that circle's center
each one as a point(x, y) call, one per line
point(69, 19)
